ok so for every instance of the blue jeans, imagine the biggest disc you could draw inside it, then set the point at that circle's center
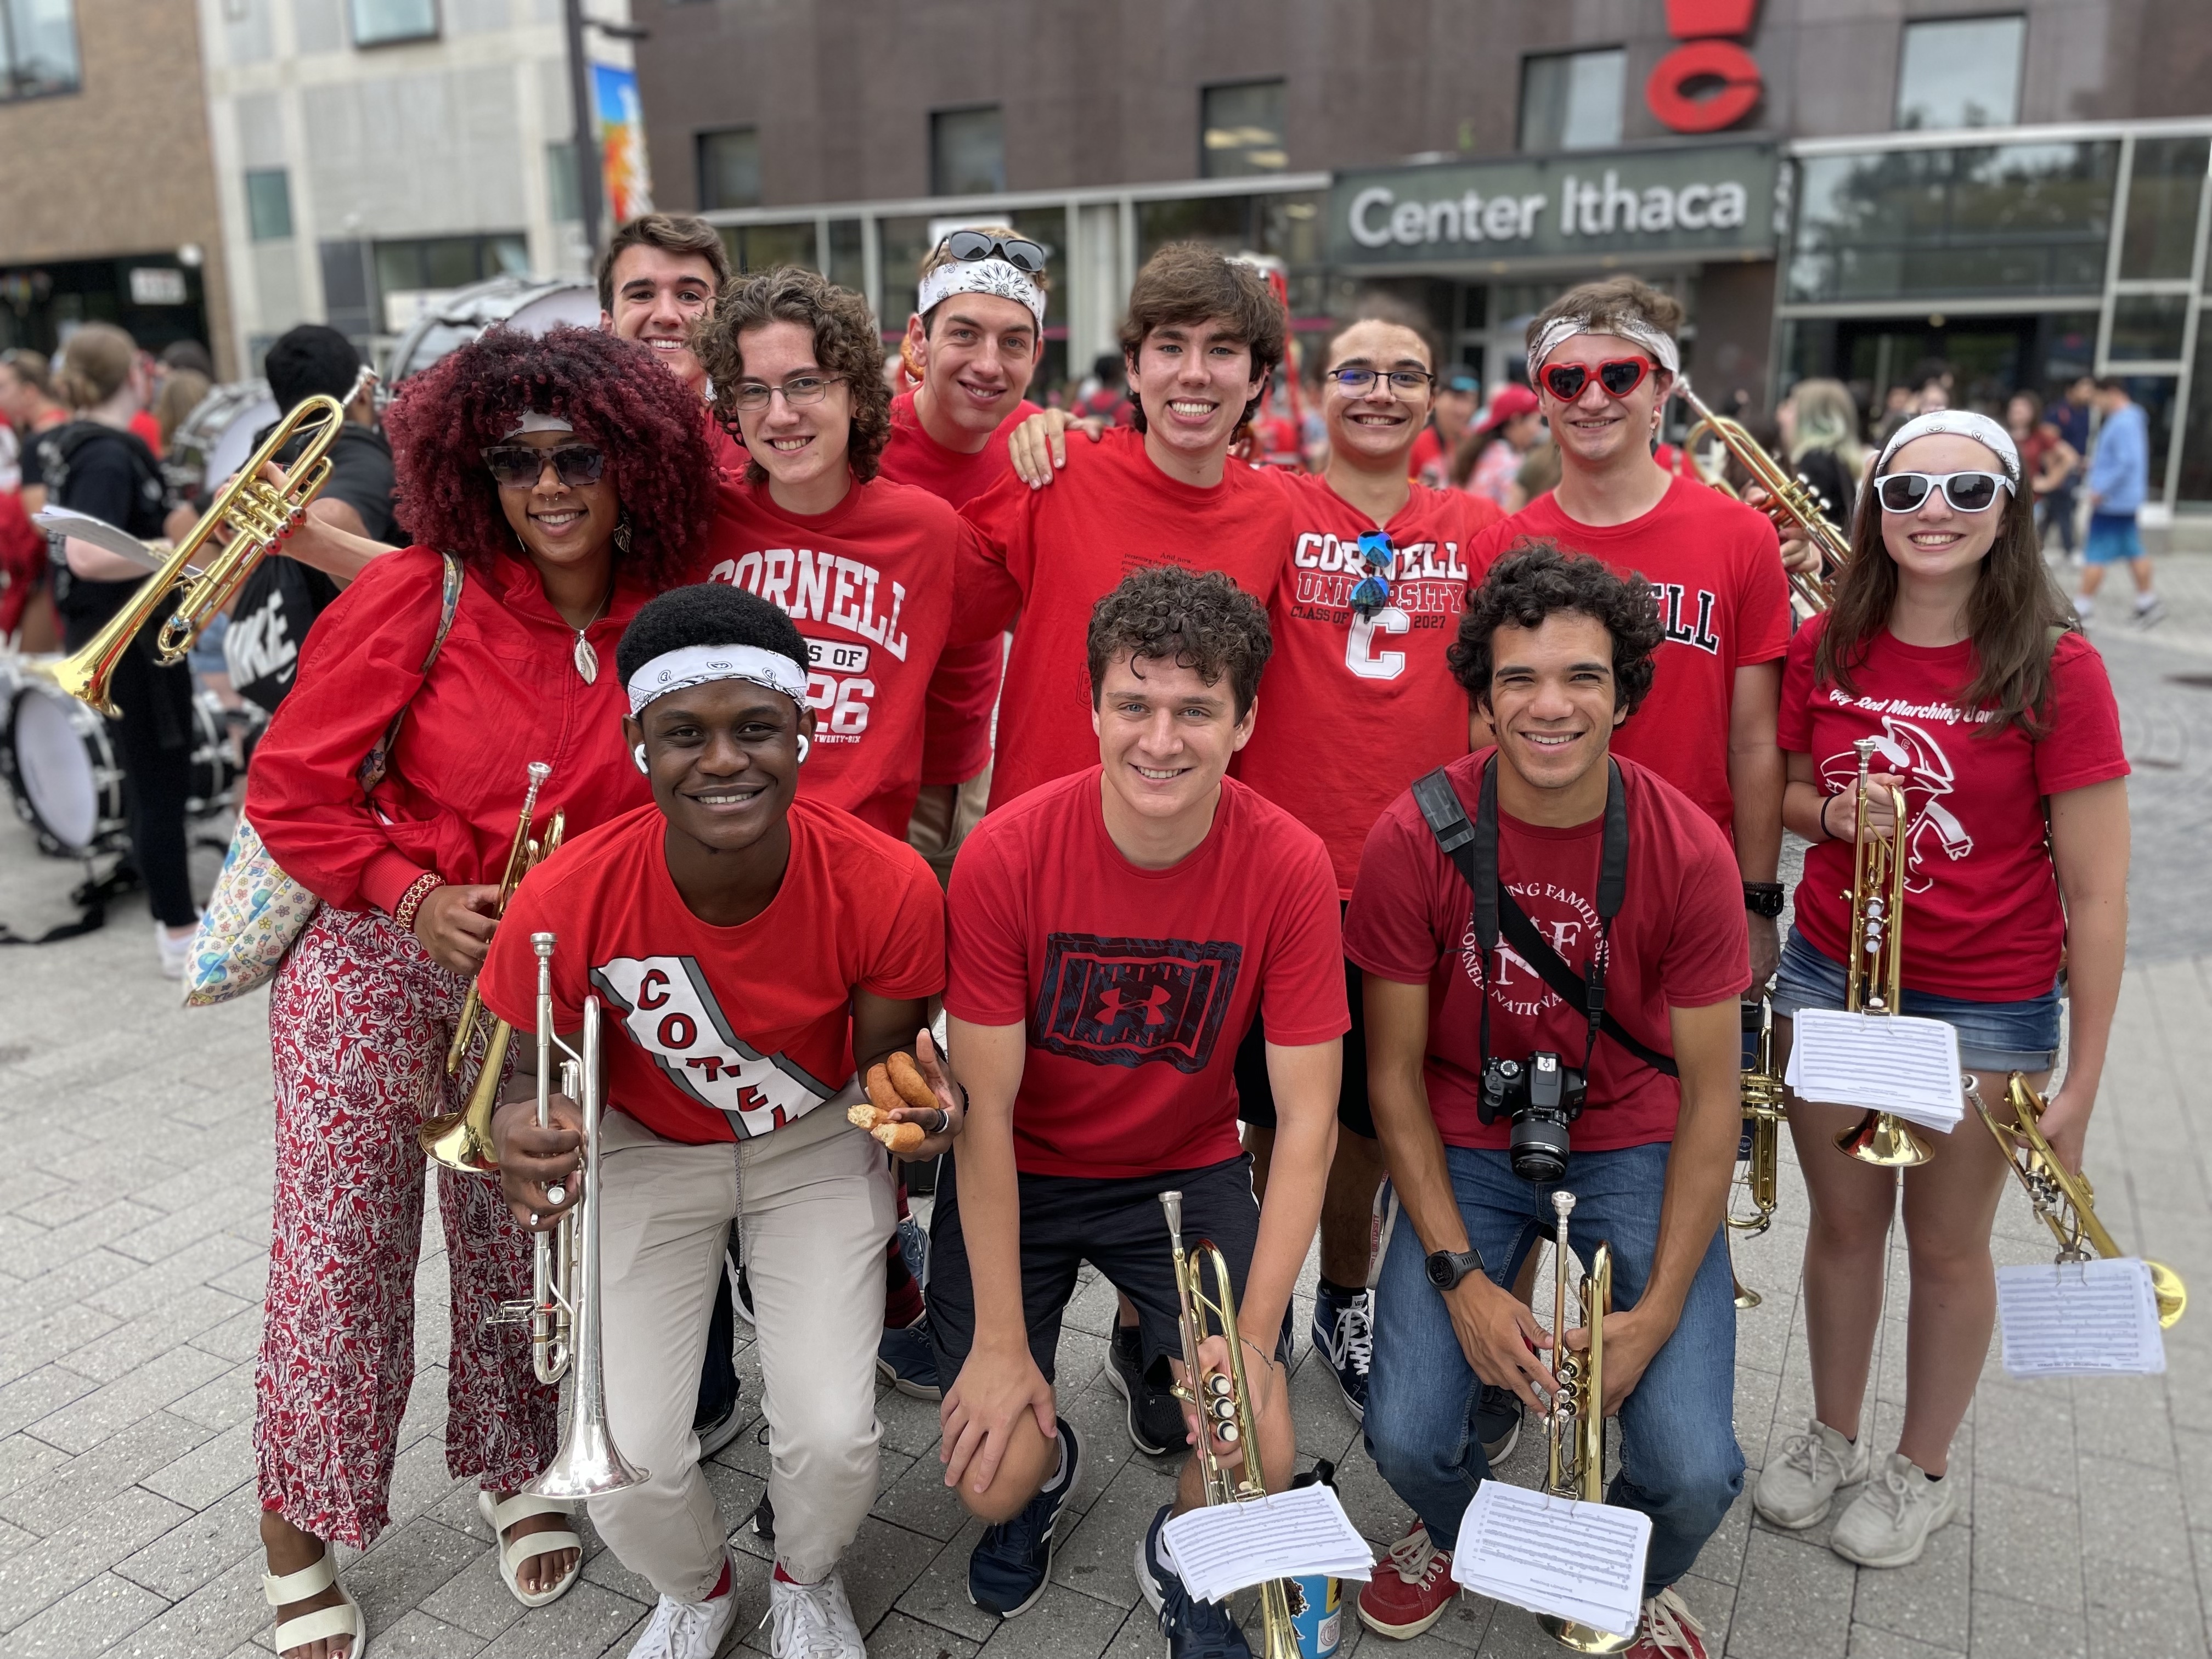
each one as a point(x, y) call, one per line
point(1680, 1464)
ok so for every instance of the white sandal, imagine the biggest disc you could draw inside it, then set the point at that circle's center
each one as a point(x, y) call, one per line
point(323, 1623)
point(531, 1544)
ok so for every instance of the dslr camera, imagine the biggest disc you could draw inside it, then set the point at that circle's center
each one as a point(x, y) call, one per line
point(1540, 1097)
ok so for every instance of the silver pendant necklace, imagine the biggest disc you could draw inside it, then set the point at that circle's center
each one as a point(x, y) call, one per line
point(586, 659)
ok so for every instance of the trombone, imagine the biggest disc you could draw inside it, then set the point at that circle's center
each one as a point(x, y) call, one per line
point(2063, 1201)
point(563, 1311)
point(1224, 1401)
point(1574, 1426)
point(189, 589)
point(1876, 981)
point(1790, 502)
point(1760, 1150)
point(462, 1140)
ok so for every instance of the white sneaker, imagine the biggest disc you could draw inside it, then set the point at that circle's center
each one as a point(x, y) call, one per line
point(175, 953)
point(1794, 1490)
point(689, 1630)
point(1888, 1522)
point(812, 1621)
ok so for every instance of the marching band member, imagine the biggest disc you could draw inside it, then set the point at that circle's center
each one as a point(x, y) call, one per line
point(1114, 932)
point(657, 280)
point(1950, 645)
point(756, 946)
point(570, 474)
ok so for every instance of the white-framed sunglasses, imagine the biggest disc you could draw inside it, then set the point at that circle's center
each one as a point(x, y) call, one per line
point(1967, 492)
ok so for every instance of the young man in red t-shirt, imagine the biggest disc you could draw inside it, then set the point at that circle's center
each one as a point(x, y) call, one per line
point(1558, 652)
point(1113, 935)
point(1602, 359)
point(1201, 337)
point(753, 953)
point(658, 279)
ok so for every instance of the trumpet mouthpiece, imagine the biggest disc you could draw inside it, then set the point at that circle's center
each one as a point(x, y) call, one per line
point(543, 944)
point(1563, 1204)
point(1171, 1202)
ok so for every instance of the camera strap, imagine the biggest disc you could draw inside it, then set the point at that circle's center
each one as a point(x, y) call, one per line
point(1472, 849)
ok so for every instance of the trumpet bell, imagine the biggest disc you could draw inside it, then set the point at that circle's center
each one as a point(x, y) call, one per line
point(1884, 1139)
point(590, 1465)
point(2172, 1295)
point(1582, 1638)
point(461, 1140)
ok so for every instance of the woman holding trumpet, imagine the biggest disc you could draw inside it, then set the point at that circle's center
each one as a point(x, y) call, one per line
point(1992, 720)
point(570, 475)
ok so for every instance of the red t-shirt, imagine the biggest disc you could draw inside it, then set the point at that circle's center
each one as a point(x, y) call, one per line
point(723, 1033)
point(957, 738)
point(730, 457)
point(1718, 568)
point(1133, 1030)
point(1428, 458)
point(870, 584)
point(1982, 919)
point(1679, 941)
point(1051, 554)
point(1342, 685)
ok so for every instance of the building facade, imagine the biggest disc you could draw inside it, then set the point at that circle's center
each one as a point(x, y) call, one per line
point(2013, 190)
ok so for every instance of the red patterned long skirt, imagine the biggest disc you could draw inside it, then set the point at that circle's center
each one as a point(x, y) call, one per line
point(359, 1020)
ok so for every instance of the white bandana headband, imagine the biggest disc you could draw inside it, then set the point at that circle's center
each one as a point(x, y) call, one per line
point(980, 276)
point(537, 421)
point(698, 665)
point(1965, 423)
point(1560, 330)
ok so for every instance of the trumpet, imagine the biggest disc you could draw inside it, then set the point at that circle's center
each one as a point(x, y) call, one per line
point(1790, 502)
point(1574, 1426)
point(194, 583)
point(1874, 983)
point(563, 1311)
point(1761, 1143)
point(462, 1140)
point(2065, 1202)
point(1224, 1401)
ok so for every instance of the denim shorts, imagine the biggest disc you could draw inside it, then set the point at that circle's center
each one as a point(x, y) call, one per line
point(1993, 1037)
point(2113, 539)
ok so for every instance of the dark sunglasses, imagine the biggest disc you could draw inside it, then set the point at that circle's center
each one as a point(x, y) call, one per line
point(518, 466)
point(1967, 492)
point(1373, 592)
point(1022, 255)
point(1618, 376)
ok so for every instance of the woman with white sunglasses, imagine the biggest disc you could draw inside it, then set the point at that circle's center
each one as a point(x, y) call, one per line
point(1949, 647)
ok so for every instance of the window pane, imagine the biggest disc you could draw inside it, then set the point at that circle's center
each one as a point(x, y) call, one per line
point(2195, 481)
point(1572, 101)
point(38, 48)
point(905, 240)
point(375, 22)
point(763, 247)
point(729, 168)
point(268, 205)
point(1960, 72)
point(1244, 130)
point(450, 262)
point(2163, 187)
point(505, 256)
point(2147, 327)
point(967, 152)
point(848, 265)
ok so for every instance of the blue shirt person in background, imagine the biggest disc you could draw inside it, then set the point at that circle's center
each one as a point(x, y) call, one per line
point(2118, 480)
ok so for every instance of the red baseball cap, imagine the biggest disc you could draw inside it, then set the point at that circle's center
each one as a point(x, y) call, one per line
point(1513, 399)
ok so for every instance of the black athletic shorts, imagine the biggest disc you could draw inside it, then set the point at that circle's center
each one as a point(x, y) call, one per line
point(1255, 1098)
point(1116, 1225)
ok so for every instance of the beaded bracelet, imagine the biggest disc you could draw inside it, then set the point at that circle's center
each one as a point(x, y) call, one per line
point(411, 901)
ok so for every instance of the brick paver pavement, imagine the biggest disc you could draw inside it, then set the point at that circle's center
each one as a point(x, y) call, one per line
point(133, 1227)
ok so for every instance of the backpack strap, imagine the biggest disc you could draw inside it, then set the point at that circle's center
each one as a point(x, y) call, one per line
point(373, 764)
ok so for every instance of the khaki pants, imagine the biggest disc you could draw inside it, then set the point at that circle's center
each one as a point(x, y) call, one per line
point(816, 1212)
point(943, 813)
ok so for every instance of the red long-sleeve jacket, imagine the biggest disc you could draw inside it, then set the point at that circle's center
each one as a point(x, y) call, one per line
point(504, 692)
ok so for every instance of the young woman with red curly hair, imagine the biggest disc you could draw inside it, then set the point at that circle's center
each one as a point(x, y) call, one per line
point(567, 478)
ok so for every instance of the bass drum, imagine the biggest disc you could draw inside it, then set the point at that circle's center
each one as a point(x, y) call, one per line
point(210, 443)
point(59, 762)
point(532, 303)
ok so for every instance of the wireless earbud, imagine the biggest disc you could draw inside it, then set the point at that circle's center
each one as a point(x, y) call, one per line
point(638, 754)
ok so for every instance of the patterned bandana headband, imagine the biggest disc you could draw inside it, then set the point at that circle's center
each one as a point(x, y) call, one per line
point(1965, 423)
point(698, 665)
point(980, 276)
point(1560, 330)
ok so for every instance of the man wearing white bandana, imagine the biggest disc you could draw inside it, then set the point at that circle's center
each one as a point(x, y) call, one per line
point(754, 952)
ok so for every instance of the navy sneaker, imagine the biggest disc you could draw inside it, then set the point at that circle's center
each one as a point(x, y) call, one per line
point(906, 1360)
point(1498, 1423)
point(1155, 1422)
point(1344, 1335)
point(1194, 1629)
point(914, 1247)
point(1012, 1563)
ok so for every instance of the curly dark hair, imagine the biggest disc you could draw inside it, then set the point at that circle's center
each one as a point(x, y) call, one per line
point(1195, 619)
point(1188, 283)
point(846, 343)
point(710, 614)
point(612, 392)
point(1536, 577)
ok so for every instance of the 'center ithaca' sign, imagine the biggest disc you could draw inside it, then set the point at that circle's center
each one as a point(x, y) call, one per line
point(1707, 199)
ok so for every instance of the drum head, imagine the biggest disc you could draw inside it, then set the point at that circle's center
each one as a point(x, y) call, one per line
point(56, 768)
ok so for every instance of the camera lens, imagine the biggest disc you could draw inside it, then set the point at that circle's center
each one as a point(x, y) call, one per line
point(1539, 1148)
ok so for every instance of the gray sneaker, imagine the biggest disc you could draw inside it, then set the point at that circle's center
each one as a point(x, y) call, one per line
point(1794, 1490)
point(1887, 1524)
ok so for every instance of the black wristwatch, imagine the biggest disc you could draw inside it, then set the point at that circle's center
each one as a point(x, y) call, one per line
point(1763, 898)
point(1447, 1268)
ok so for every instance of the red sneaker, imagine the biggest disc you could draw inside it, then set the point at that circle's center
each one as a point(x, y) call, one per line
point(1411, 1590)
point(1666, 1630)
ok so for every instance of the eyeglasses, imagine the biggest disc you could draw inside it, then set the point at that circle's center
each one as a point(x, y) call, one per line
point(1021, 254)
point(1967, 492)
point(518, 466)
point(1373, 592)
point(1357, 382)
point(1618, 376)
point(801, 389)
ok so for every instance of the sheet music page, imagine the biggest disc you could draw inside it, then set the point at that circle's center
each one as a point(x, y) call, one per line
point(1573, 1560)
point(67, 521)
point(1890, 1062)
point(1231, 1546)
point(2079, 1319)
